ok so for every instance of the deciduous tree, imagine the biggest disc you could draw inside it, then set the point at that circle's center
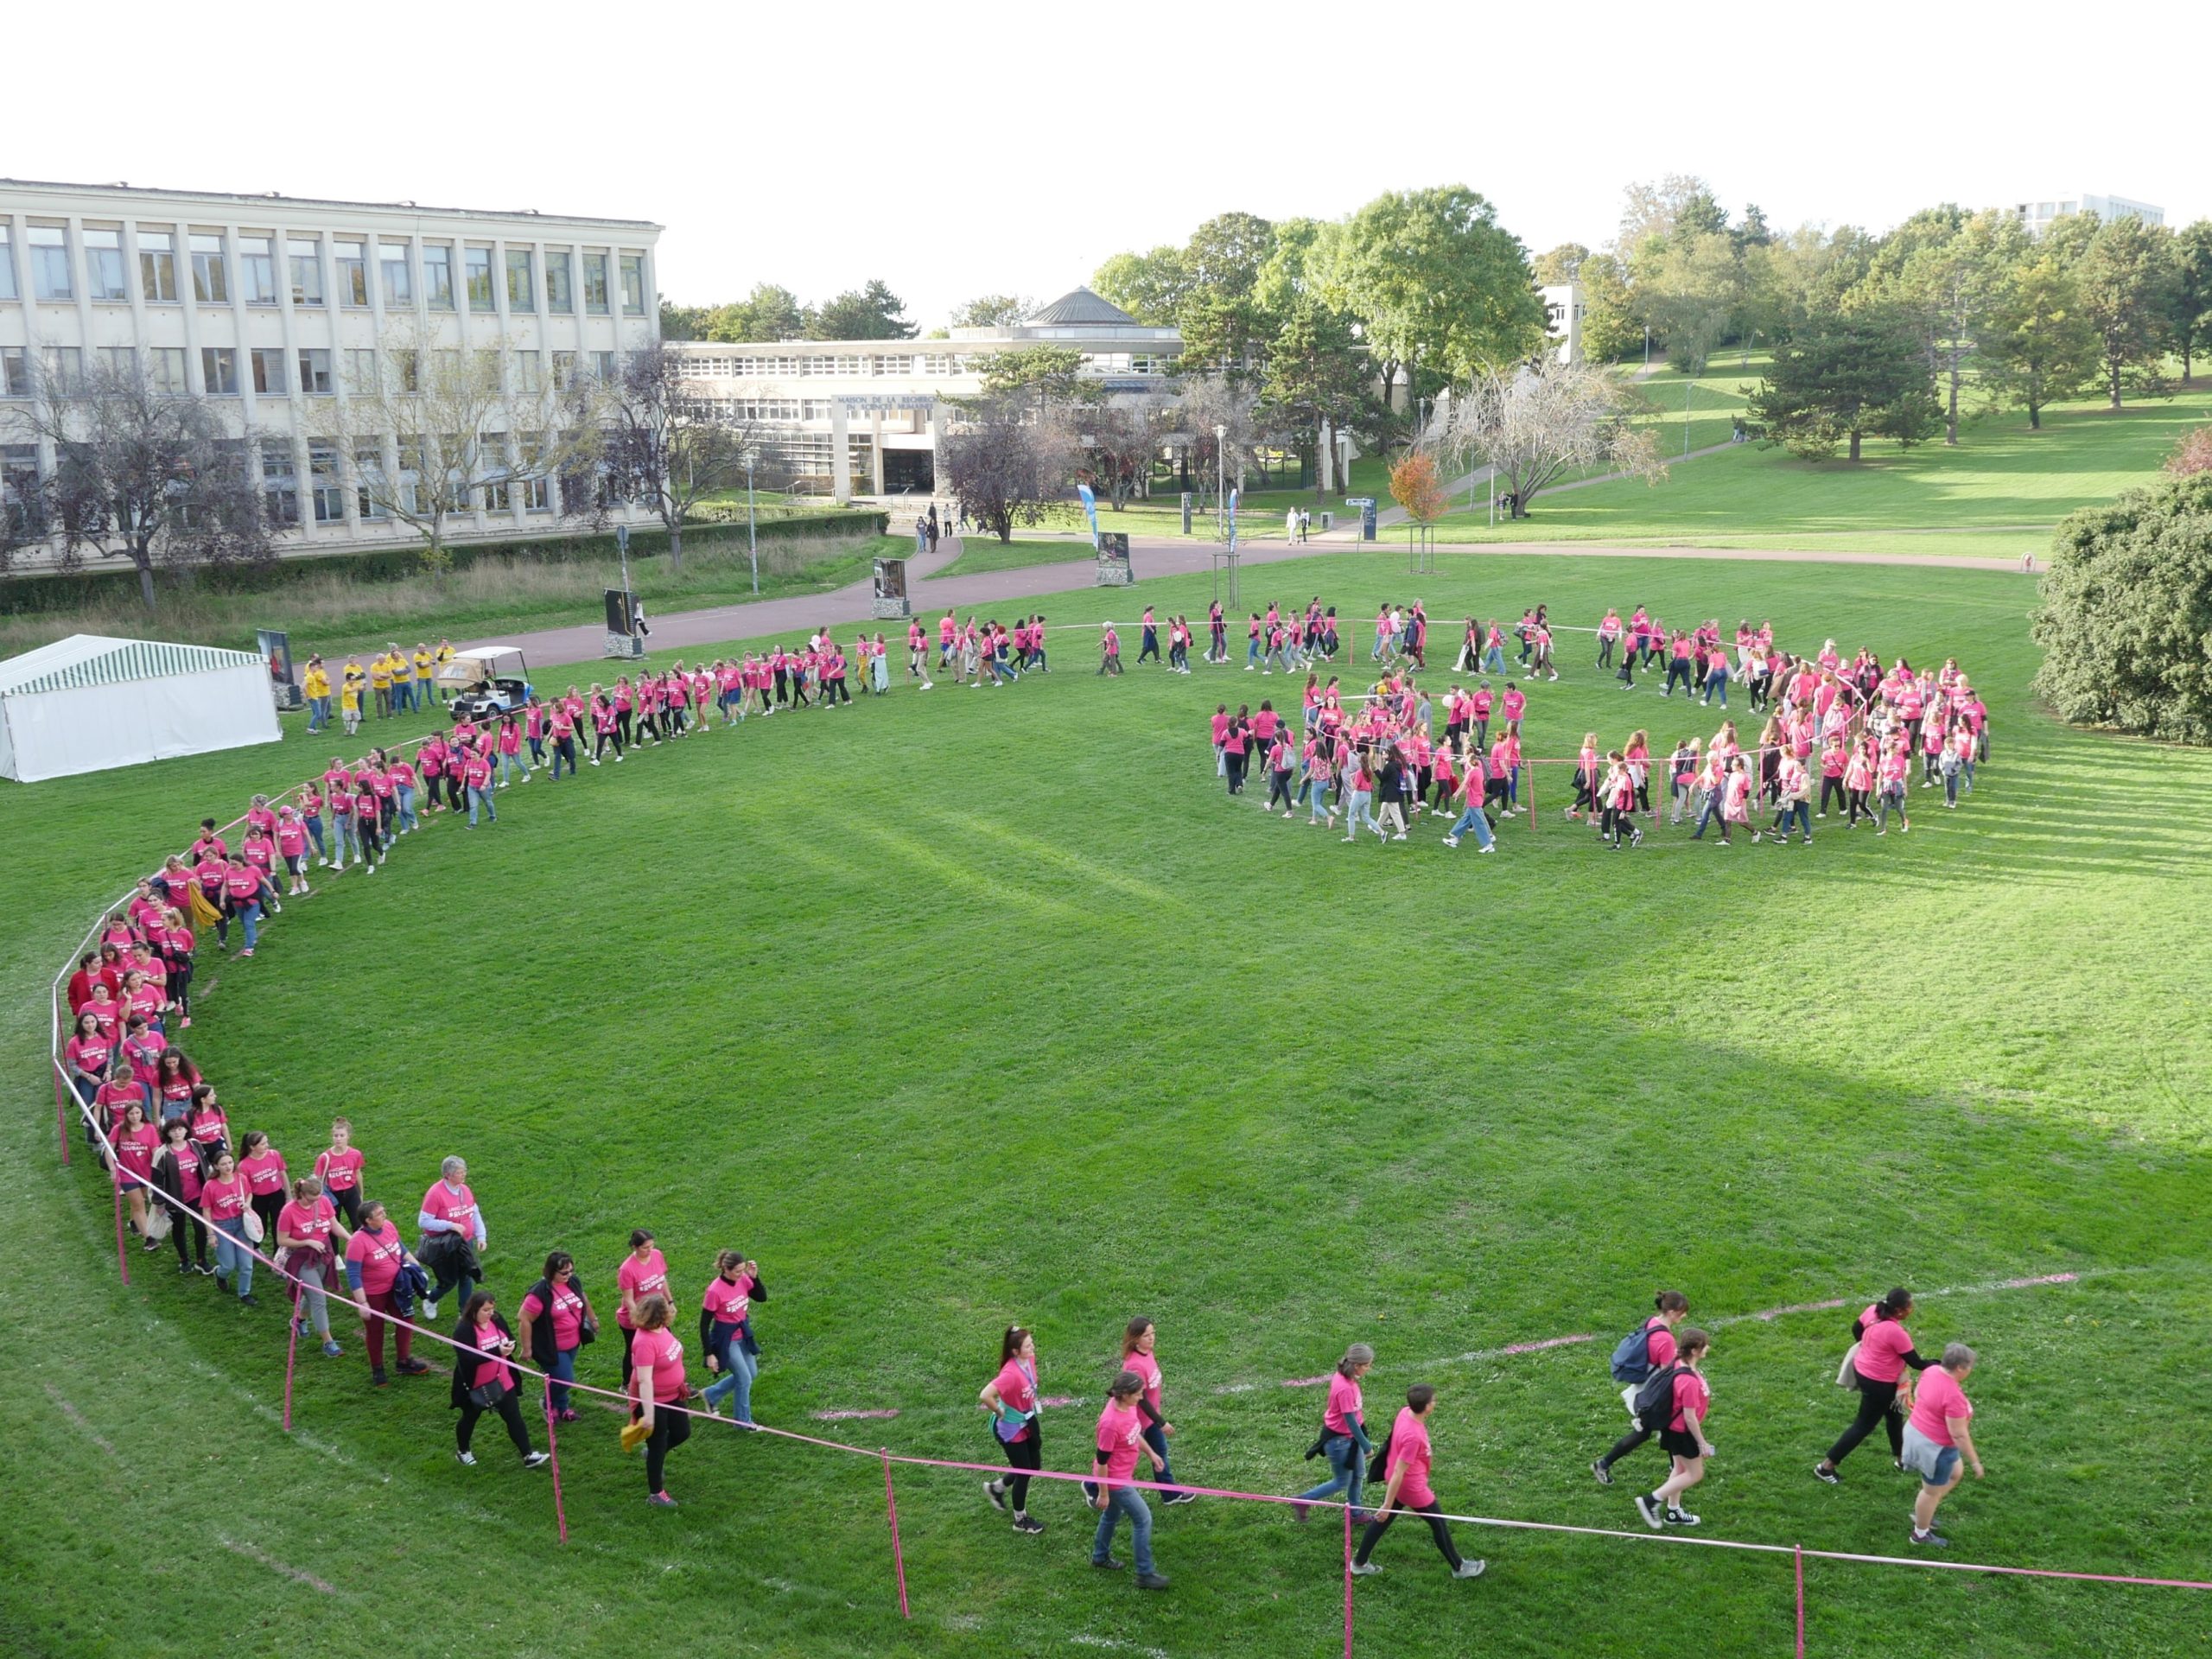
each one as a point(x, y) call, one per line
point(2036, 346)
point(1415, 487)
point(992, 311)
point(870, 313)
point(1534, 423)
point(664, 443)
point(2189, 298)
point(1561, 263)
point(1316, 375)
point(1150, 287)
point(1008, 457)
point(2126, 276)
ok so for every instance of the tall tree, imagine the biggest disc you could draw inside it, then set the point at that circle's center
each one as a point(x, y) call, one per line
point(1122, 436)
point(1226, 253)
point(147, 477)
point(1532, 423)
point(870, 313)
point(1008, 457)
point(1651, 210)
point(1292, 266)
point(2189, 298)
point(1207, 401)
point(1561, 263)
point(992, 311)
point(1150, 287)
point(2125, 275)
point(664, 443)
point(1053, 373)
point(1612, 330)
point(1221, 330)
point(1436, 282)
point(1316, 376)
point(768, 313)
point(1843, 379)
point(1942, 270)
point(2036, 346)
point(683, 321)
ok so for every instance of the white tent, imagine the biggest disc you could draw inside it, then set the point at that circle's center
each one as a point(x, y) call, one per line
point(86, 703)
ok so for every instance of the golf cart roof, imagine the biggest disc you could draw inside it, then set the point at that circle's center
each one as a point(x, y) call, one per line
point(474, 663)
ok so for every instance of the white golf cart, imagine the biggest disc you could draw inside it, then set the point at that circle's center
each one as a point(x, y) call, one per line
point(483, 682)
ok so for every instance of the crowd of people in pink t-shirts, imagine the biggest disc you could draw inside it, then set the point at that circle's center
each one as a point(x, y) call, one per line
point(1850, 729)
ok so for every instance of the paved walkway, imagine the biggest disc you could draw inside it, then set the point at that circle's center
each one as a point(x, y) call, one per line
point(792, 618)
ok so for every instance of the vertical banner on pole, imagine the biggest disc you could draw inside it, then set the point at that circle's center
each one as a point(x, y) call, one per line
point(291, 1355)
point(1347, 1581)
point(897, 1558)
point(553, 1452)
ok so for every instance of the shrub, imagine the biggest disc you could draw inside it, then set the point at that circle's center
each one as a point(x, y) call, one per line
point(2192, 454)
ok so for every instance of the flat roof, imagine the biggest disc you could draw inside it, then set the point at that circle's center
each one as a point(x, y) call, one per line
point(267, 196)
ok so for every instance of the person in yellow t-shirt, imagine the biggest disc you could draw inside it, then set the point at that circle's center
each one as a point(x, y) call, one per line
point(425, 663)
point(349, 697)
point(316, 686)
point(380, 683)
point(403, 679)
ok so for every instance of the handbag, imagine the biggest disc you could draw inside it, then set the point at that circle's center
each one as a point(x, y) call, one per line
point(251, 1223)
point(486, 1396)
point(1846, 1373)
point(157, 1222)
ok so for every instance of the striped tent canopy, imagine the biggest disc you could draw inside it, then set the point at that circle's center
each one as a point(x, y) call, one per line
point(87, 659)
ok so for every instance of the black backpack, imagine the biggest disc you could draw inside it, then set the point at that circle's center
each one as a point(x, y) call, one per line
point(1655, 1398)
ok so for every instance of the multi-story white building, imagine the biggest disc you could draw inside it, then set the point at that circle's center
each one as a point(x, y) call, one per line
point(2041, 215)
point(1563, 310)
point(831, 412)
point(277, 307)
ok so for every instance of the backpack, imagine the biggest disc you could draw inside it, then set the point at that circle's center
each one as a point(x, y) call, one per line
point(1654, 1399)
point(1632, 1356)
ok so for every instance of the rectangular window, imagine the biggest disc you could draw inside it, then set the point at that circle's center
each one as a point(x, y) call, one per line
point(403, 370)
point(15, 371)
point(398, 279)
point(560, 290)
point(565, 371)
point(65, 369)
point(353, 259)
point(218, 371)
point(369, 494)
point(103, 266)
point(50, 263)
point(437, 277)
point(119, 363)
point(280, 488)
point(165, 370)
point(476, 266)
point(595, 283)
point(329, 494)
point(8, 289)
point(314, 371)
point(257, 268)
point(211, 283)
point(305, 253)
point(446, 365)
point(633, 285)
point(603, 367)
point(529, 371)
point(361, 372)
point(268, 379)
point(522, 294)
point(19, 487)
point(158, 266)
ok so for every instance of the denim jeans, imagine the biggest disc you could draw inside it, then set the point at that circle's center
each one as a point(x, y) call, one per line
point(1156, 1438)
point(564, 748)
point(1347, 1467)
point(1120, 1501)
point(739, 1368)
point(1359, 809)
point(1494, 660)
point(318, 713)
point(1473, 819)
point(1711, 811)
point(406, 798)
point(1717, 681)
point(342, 834)
point(250, 915)
point(232, 1256)
point(509, 765)
point(313, 825)
point(477, 798)
point(563, 1369)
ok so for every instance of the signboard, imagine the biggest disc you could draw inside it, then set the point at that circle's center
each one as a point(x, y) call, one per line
point(283, 681)
point(891, 600)
point(1366, 505)
point(1114, 568)
point(623, 638)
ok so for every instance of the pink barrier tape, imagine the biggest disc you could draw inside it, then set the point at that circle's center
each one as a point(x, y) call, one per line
point(897, 1557)
point(553, 1456)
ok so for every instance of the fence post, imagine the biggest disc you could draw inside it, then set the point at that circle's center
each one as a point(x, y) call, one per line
point(291, 1353)
point(122, 1255)
point(897, 1558)
point(1799, 1551)
point(1347, 1581)
point(61, 1112)
point(553, 1452)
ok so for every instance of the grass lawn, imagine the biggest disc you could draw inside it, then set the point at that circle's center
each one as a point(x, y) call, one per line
point(962, 1010)
point(2003, 479)
point(980, 553)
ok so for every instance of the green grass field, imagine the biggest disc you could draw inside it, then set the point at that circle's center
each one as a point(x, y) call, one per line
point(960, 1009)
point(982, 553)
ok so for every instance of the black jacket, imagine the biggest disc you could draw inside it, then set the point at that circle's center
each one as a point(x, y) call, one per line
point(467, 1355)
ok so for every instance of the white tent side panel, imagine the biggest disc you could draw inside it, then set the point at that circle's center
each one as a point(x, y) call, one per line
point(94, 728)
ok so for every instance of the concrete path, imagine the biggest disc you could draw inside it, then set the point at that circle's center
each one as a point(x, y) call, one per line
point(793, 619)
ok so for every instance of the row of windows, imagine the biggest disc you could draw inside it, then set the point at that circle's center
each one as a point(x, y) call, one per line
point(254, 259)
point(854, 367)
point(274, 372)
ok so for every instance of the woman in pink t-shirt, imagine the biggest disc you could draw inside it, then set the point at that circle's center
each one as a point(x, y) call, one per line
point(1010, 1398)
point(309, 1232)
point(1672, 1307)
point(1882, 1350)
point(1937, 1438)
point(375, 1256)
point(1683, 1438)
point(178, 1171)
point(656, 1392)
point(643, 1272)
point(136, 1142)
point(265, 1170)
point(1406, 1465)
point(483, 1380)
point(1343, 1428)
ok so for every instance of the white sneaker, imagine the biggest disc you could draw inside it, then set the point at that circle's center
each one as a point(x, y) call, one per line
point(466, 1458)
point(1364, 1569)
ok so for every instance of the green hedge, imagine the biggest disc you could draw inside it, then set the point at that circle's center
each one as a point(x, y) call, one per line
point(33, 595)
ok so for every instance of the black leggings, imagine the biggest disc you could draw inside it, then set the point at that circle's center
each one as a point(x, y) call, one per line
point(510, 1410)
point(600, 747)
point(622, 726)
point(1279, 789)
point(269, 1206)
point(1022, 1454)
point(672, 1428)
point(1878, 1403)
point(348, 1200)
point(1626, 1444)
point(177, 1225)
point(1438, 1529)
point(1833, 787)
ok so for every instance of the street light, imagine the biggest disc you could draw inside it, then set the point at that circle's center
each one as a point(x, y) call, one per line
point(1221, 480)
point(751, 539)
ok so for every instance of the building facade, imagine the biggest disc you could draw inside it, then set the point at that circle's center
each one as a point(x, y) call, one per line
point(1563, 310)
point(2040, 216)
point(866, 417)
point(278, 309)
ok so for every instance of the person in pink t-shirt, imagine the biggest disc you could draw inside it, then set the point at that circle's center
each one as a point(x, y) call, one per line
point(643, 1272)
point(556, 1320)
point(1407, 1468)
point(1673, 1307)
point(1010, 1398)
point(338, 1167)
point(1138, 1340)
point(1343, 1430)
point(308, 1230)
point(1683, 1437)
point(1115, 1447)
point(374, 1256)
point(1937, 1438)
point(483, 1380)
point(1882, 1350)
point(656, 1382)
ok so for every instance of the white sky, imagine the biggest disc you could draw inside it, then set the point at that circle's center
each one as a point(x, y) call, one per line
point(981, 146)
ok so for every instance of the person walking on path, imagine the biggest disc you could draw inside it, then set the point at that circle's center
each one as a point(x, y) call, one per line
point(1120, 1438)
point(1881, 1351)
point(1937, 1438)
point(1010, 1397)
point(1650, 1348)
point(1406, 1461)
point(1344, 1434)
point(1683, 1409)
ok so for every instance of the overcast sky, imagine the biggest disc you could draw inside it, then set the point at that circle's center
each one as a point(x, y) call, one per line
point(978, 146)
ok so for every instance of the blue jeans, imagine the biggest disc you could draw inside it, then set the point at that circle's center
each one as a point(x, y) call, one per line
point(1494, 660)
point(1473, 819)
point(1120, 1501)
point(1358, 809)
point(564, 748)
point(1156, 1439)
point(1252, 651)
point(477, 796)
point(1717, 681)
point(407, 818)
point(739, 1368)
point(342, 834)
point(232, 1256)
point(250, 915)
point(564, 1370)
point(314, 824)
point(318, 713)
point(1347, 1467)
point(509, 765)
point(1711, 811)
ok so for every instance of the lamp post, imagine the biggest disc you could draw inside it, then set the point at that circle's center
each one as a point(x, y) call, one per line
point(752, 537)
point(1221, 480)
